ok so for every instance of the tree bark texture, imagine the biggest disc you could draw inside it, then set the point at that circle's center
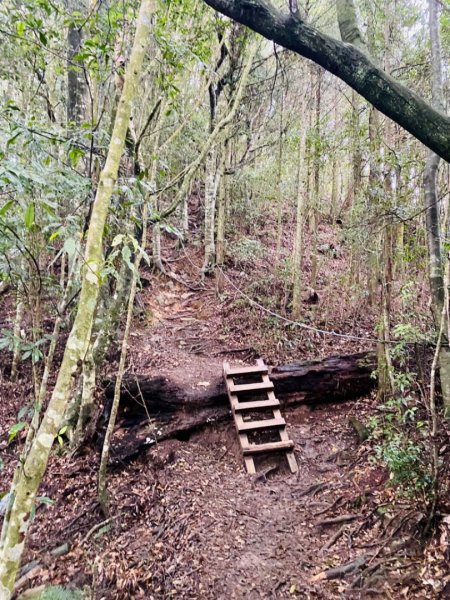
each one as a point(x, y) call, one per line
point(31, 472)
point(299, 224)
point(76, 83)
point(350, 64)
point(432, 214)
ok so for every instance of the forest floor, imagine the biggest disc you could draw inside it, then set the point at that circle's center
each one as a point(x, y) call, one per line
point(186, 521)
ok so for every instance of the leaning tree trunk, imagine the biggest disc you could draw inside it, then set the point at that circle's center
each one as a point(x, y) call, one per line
point(349, 63)
point(33, 469)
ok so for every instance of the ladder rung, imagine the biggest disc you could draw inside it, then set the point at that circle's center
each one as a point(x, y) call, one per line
point(272, 447)
point(250, 387)
point(267, 424)
point(246, 370)
point(258, 404)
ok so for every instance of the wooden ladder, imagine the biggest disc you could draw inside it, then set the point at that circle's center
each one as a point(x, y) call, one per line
point(244, 406)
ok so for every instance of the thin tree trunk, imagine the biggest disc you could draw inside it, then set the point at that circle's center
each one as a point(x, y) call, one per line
point(316, 179)
point(76, 83)
point(20, 309)
point(156, 247)
point(218, 129)
point(33, 469)
point(334, 165)
point(103, 496)
point(211, 185)
point(432, 216)
point(299, 224)
point(373, 196)
point(222, 216)
point(280, 199)
point(185, 216)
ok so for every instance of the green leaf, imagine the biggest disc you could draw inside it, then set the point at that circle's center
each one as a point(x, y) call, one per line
point(29, 216)
point(70, 246)
point(4, 209)
point(15, 429)
point(117, 240)
point(45, 500)
point(36, 355)
point(13, 139)
point(75, 154)
point(126, 255)
point(43, 38)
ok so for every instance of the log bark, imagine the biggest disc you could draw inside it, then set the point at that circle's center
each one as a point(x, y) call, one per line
point(154, 409)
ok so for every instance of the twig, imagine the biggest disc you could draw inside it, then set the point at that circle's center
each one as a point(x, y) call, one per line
point(342, 570)
point(95, 528)
point(172, 275)
point(333, 539)
point(312, 489)
point(89, 509)
point(329, 506)
point(233, 350)
point(263, 475)
point(340, 519)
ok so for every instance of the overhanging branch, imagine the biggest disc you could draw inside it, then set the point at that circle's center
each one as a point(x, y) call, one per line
point(348, 63)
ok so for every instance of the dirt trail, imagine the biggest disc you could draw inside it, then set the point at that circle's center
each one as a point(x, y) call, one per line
point(232, 535)
point(187, 521)
point(212, 531)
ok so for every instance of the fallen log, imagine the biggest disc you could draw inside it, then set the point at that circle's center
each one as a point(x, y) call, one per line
point(155, 409)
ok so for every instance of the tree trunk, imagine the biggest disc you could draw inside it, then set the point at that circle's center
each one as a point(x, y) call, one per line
point(211, 185)
point(222, 216)
point(103, 495)
point(432, 214)
point(31, 472)
point(315, 204)
point(347, 62)
point(280, 198)
point(299, 224)
point(76, 83)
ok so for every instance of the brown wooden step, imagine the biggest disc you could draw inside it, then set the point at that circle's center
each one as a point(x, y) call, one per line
point(246, 371)
point(272, 447)
point(250, 387)
point(263, 424)
point(257, 404)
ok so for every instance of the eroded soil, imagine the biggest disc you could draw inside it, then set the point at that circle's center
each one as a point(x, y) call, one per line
point(187, 522)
